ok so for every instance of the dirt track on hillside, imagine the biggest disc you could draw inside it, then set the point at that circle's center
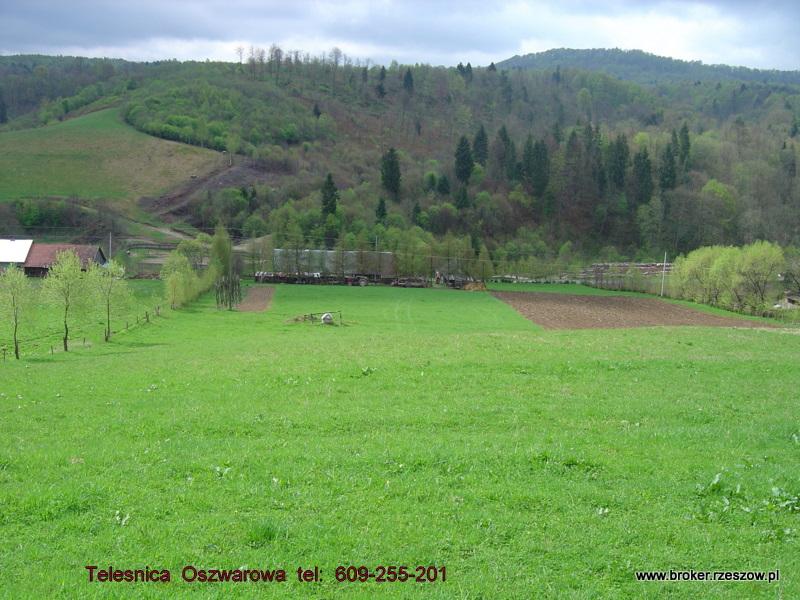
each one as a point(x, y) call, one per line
point(567, 311)
point(257, 299)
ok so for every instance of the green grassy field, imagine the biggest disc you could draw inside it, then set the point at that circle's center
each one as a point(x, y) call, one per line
point(95, 156)
point(433, 427)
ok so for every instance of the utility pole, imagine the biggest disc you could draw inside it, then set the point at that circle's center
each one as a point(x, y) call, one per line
point(109, 245)
point(663, 273)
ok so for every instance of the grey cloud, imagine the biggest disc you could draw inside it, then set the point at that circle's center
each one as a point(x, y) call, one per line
point(412, 31)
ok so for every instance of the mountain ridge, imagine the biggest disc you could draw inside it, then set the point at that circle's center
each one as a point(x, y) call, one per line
point(641, 66)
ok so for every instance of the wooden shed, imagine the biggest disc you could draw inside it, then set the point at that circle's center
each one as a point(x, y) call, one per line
point(42, 256)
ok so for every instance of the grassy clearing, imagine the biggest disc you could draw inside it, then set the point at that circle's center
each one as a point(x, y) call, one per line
point(435, 427)
point(95, 156)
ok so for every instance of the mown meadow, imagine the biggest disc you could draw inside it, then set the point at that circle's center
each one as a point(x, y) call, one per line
point(434, 427)
point(94, 157)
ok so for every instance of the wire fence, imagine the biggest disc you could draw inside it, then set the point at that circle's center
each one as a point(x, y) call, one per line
point(81, 334)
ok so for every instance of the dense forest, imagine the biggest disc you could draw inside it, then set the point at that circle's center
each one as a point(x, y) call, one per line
point(643, 67)
point(514, 162)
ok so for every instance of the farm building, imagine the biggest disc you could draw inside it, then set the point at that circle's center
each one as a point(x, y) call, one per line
point(42, 256)
point(35, 258)
point(14, 252)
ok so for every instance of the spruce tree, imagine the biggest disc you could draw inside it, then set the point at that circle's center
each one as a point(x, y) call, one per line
point(685, 145)
point(390, 173)
point(462, 200)
point(667, 175)
point(408, 82)
point(527, 163)
point(415, 213)
point(330, 196)
point(618, 158)
point(642, 177)
point(468, 73)
point(540, 175)
point(463, 164)
point(480, 147)
point(380, 211)
point(443, 186)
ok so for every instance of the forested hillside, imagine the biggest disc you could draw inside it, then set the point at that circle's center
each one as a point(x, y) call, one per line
point(517, 163)
point(643, 67)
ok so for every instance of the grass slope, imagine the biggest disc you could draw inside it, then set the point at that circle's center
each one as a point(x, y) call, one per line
point(95, 156)
point(435, 427)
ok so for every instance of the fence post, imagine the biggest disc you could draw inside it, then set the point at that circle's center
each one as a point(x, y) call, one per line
point(147, 316)
point(4, 355)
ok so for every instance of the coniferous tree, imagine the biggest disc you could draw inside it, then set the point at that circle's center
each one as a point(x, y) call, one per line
point(540, 175)
point(526, 166)
point(480, 147)
point(462, 199)
point(443, 186)
point(685, 146)
point(408, 82)
point(330, 196)
point(317, 112)
point(380, 211)
point(618, 158)
point(667, 174)
point(468, 73)
point(464, 163)
point(415, 213)
point(509, 162)
point(642, 178)
point(390, 173)
point(3, 108)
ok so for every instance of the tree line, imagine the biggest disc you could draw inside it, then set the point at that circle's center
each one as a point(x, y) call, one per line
point(199, 265)
point(69, 290)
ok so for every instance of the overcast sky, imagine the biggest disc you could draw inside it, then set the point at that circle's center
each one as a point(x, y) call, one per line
point(737, 32)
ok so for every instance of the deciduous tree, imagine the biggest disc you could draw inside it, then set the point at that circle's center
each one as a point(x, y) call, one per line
point(109, 285)
point(16, 294)
point(65, 286)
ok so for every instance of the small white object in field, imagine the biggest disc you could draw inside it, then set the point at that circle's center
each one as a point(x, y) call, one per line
point(327, 318)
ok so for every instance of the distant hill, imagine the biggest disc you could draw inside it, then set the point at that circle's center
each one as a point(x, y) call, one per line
point(523, 164)
point(642, 67)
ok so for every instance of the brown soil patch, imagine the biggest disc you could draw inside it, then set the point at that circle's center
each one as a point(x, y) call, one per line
point(567, 311)
point(257, 299)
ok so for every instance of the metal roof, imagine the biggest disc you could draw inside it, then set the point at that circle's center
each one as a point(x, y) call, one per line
point(14, 251)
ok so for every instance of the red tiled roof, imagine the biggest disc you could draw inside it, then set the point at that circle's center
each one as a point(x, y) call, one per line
point(42, 256)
